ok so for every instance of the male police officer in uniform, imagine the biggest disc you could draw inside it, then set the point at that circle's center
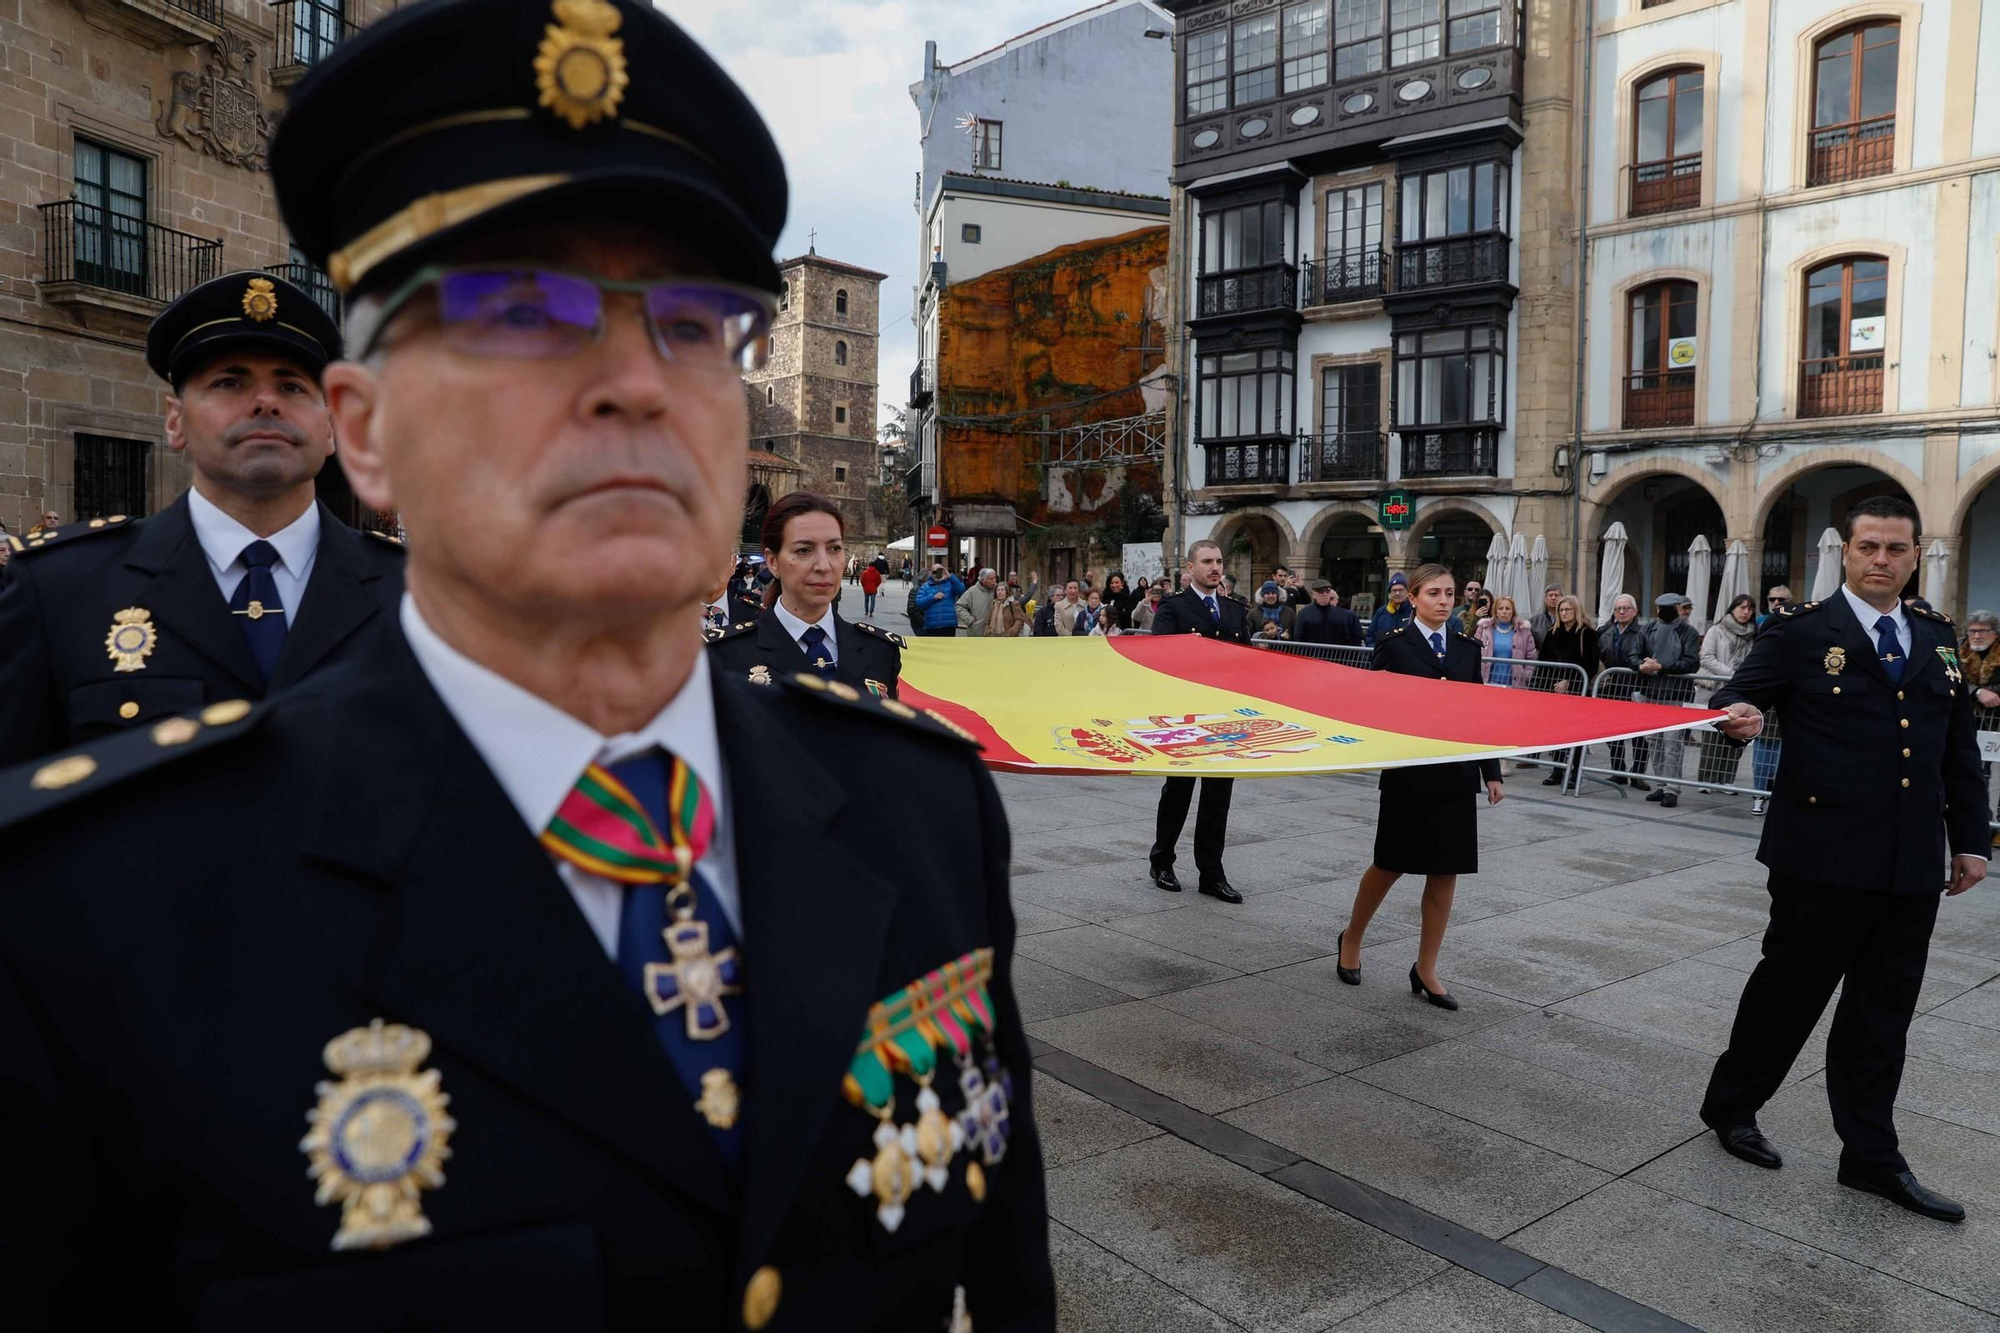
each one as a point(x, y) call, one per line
point(244, 585)
point(606, 1015)
point(1200, 608)
point(1880, 775)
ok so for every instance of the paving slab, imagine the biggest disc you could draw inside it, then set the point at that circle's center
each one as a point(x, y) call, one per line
point(1636, 1063)
point(1611, 1130)
point(1690, 1003)
point(1385, 990)
point(1980, 1007)
point(1230, 935)
point(1095, 895)
point(1049, 992)
point(1190, 1062)
point(1303, 916)
point(1727, 1276)
point(1959, 1162)
point(1097, 1292)
point(1032, 918)
point(1259, 1254)
point(1715, 896)
point(1074, 1125)
point(1456, 1301)
point(1467, 1173)
point(1120, 961)
point(1322, 1030)
point(1477, 899)
point(1959, 1045)
point(1553, 951)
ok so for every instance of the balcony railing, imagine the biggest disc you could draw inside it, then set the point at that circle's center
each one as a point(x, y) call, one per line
point(920, 384)
point(1273, 287)
point(1451, 451)
point(1348, 455)
point(1452, 261)
point(93, 247)
point(1841, 386)
point(1264, 462)
point(1354, 275)
point(1853, 151)
point(1659, 398)
point(316, 284)
point(1666, 186)
point(308, 30)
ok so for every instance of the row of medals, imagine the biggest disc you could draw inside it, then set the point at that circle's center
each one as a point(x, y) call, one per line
point(920, 1153)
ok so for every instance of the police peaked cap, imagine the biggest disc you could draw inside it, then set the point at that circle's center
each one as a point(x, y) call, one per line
point(251, 311)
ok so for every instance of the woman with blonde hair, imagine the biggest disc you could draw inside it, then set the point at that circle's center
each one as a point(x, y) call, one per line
point(1572, 639)
point(1505, 635)
point(1428, 823)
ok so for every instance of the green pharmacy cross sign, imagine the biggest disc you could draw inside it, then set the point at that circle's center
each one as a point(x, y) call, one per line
point(1397, 510)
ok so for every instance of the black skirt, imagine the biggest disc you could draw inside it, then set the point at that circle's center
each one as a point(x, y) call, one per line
point(1427, 834)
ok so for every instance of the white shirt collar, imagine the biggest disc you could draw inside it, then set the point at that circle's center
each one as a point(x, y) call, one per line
point(1428, 630)
point(222, 538)
point(537, 751)
point(794, 626)
point(1868, 615)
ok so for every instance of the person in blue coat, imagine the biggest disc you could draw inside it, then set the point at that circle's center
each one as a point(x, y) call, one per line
point(937, 602)
point(1395, 613)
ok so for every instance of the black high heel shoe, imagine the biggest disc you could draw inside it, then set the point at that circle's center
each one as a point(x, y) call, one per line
point(1442, 999)
point(1350, 975)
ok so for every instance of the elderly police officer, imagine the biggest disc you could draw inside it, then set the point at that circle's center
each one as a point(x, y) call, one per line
point(495, 983)
point(243, 585)
point(1879, 777)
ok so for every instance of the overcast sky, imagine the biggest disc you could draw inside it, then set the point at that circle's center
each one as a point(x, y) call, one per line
point(832, 78)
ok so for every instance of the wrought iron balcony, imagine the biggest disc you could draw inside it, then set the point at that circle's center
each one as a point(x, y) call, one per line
point(1350, 455)
point(1841, 386)
point(307, 31)
point(1656, 398)
point(1450, 451)
point(921, 384)
point(1265, 461)
point(1272, 287)
point(915, 493)
point(317, 284)
point(1853, 151)
point(87, 247)
point(1352, 275)
point(1453, 261)
point(1666, 186)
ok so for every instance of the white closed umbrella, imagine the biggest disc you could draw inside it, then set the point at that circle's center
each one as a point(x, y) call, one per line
point(1496, 563)
point(1538, 570)
point(1936, 560)
point(1613, 581)
point(1735, 579)
point(1826, 581)
point(1517, 575)
point(1699, 557)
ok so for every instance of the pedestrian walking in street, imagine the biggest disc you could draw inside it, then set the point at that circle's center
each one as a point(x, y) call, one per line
point(871, 584)
point(1203, 610)
point(1428, 821)
point(1879, 807)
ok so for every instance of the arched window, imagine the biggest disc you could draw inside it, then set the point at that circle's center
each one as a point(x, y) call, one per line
point(840, 301)
point(1659, 381)
point(1847, 328)
point(785, 296)
point(770, 395)
point(840, 354)
point(1666, 143)
point(1854, 103)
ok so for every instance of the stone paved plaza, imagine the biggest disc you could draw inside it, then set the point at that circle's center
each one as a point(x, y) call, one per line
point(1237, 1141)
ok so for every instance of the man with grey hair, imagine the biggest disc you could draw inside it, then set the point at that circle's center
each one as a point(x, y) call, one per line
point(1619, 644)
point(975, 608)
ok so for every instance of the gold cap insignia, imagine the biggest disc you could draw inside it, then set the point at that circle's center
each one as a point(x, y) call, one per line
point(132, 639)
point(260, 300)
point(64, 772)
point(379, 1136)
point(580, 66)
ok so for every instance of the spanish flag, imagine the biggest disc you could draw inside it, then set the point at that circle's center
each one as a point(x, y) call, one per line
point(1190, 707)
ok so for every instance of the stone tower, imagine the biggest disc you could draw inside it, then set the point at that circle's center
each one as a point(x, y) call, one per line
point(812, 406)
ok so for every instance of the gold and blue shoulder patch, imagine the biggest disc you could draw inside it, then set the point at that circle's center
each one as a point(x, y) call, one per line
point(876, 631)
point(40, 539)
point(928, 720)
point(32, 789)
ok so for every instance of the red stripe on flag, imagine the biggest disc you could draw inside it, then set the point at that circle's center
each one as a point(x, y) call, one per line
point(998, 752)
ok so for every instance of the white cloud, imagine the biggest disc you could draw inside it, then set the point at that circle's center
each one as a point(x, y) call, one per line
point(832, 79)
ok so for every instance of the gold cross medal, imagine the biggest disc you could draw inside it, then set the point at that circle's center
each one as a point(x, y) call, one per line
point(132, 639)
point(696, 980)
point(379, 1136)
point(891, 1174)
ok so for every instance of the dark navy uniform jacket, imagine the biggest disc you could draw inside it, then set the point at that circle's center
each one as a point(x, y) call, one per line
point(171, 967)
point(1408, 652)
point(60, 685)
point(865, 656)
point(1876, 779)
point(1185, 612)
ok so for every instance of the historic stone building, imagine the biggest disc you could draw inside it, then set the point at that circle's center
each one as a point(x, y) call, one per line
point(134, 169)
point(812, 406)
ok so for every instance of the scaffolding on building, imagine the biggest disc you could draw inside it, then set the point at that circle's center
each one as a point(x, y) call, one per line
point(1112, 443)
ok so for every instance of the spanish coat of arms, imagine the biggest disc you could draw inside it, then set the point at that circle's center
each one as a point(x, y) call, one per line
point(218, 110)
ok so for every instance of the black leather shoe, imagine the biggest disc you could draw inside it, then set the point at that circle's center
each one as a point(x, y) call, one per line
point(1442, 999)
point(1350, 975)
point(1640, 784)
point(1554, 779)
point(1654, 795)
point(1619, 780)
point(1668, 799)
point(1165, 878)
point(1903, 1190)
point(1218, 888)
point(1749, 1143)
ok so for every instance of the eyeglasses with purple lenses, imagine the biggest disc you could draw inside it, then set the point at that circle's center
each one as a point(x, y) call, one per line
point(515, 313)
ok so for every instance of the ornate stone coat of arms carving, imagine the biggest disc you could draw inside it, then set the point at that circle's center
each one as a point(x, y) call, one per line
point(218, 111)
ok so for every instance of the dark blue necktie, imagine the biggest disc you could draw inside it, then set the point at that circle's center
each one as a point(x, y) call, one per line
point(258, 608)
point(1214, 611)
point(1437, 645)
point(814, 642)
point(1891, 650)
point(641, 940)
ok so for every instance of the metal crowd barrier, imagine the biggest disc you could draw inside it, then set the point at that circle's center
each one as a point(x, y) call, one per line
point(1988, 722)
point(1703, 760)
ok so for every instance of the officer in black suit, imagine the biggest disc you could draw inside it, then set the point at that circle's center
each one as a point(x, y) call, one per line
point(1200, 608)
point(1878, 804)
point(865, 656)
point(244, 585)
point(607, 1010)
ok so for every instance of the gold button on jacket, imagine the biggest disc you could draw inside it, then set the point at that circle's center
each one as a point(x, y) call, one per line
point(760, 1297)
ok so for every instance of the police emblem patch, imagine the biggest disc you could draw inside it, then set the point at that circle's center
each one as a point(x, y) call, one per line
point(132, 639)
point(579, 66)
point(260, 300)
point(1836, 661)
point(379, 1136)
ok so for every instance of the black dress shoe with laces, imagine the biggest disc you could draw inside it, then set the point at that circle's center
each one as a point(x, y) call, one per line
point(1165, 878)
point(1903, 1190)
point(1748, 1142)
point(1218, 888)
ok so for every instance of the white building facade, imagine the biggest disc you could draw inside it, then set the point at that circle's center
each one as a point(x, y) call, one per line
point(1793, 283)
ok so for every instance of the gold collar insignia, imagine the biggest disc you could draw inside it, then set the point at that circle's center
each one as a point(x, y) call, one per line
point(580, 66)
